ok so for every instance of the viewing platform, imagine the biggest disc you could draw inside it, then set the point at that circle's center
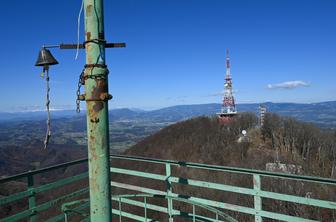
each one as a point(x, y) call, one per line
point(145, 189)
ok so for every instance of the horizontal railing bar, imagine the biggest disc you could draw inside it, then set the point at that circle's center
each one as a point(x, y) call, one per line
point(61, 216)
point(137, 188)
point(58, 183)
point(132, 216)
point(160, 208)
point(198, 217)
point(43, 206)
point(204, 206)
point(48, 204)
point(18, 216)
point(190, 216)
point(230, 169)
point(141, 204)
point(247, 191)
point(284, 217)
point(143, 159)
point(138, 173)
point(210, 185)
point(252, 211)
point(221, 205)
point(14, 197)
point(181, 163)
point(198, 200)
point(42, 170)
point(298, 199)
point(61, 182)
point(178, 199)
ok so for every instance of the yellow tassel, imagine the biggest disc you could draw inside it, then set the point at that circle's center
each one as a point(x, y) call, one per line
point(42, 74)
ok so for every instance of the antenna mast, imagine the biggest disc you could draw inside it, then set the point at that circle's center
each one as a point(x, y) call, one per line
point(228, 110)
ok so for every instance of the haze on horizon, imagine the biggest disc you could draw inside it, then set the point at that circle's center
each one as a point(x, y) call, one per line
point(281, 51)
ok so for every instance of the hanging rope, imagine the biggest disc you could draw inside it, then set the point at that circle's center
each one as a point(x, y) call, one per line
point(48, 133)
point(78, 28)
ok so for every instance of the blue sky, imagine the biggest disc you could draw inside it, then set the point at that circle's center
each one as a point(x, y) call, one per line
point(176, 51)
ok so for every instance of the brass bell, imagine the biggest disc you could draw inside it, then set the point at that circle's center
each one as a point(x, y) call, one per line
point(45, 58)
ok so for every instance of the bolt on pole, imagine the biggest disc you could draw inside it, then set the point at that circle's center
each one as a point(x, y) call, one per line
point(96, 96)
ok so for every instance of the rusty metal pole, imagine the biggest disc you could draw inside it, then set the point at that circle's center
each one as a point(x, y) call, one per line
point(96, 96)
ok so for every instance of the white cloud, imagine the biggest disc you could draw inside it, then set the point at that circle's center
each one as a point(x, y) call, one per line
point(288, 85)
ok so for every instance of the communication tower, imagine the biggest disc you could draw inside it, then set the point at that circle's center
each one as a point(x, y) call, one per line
point(228, 110)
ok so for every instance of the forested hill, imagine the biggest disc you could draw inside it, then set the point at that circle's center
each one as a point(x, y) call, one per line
point(305, 147)
point(204, 140)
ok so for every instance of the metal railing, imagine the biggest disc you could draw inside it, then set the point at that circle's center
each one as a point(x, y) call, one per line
point(127, 198)
point(32, 190)
point(256, 191)
point(169, 175)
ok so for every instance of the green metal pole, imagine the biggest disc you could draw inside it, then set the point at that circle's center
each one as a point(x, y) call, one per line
point(96, 96)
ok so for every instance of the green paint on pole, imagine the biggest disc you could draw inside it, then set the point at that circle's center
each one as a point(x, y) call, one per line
point(96, 96)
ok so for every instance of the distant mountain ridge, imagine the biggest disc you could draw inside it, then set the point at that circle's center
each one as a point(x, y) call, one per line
point(323, 113)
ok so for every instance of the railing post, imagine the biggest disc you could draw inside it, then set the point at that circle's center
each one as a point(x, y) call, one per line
point(31, 199)
point(169, 191)
point(257, 198)
point(145, 202)
point(194, 213)
point(120, 209)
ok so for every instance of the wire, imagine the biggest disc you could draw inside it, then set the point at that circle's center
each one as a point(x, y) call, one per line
point(96, 13)
point(78, 28)
point(98, 27)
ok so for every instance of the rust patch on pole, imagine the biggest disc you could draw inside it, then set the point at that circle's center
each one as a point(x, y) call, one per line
point(88, 36)
point(98, 106)
point(89, 10)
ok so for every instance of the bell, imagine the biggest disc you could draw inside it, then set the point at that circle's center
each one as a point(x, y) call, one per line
point(45, 58)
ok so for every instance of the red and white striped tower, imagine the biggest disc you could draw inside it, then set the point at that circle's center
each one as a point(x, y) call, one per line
point(228, 110)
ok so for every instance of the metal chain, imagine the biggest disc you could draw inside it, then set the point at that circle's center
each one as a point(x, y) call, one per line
point(81, 82)
point(48, 133)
